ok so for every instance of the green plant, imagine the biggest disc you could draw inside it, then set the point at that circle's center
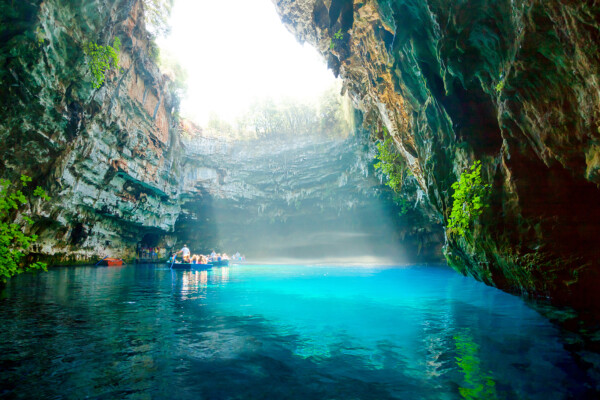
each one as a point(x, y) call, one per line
point(469, 199)
point(40, 36)
point(500, 86)
point(391, 164)
point(478, 384)
point(336, 37)
point(403, 203)
point(101, 59)
point(13, 242)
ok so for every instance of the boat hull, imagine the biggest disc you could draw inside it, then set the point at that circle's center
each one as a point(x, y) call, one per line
point(220, 263)
point(111, 262)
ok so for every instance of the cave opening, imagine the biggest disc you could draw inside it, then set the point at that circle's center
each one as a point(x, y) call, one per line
point(276, 167)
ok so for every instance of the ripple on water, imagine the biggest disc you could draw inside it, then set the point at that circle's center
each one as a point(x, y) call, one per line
point(248, 332)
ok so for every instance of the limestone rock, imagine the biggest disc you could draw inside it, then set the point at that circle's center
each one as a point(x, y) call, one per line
point(511, 83)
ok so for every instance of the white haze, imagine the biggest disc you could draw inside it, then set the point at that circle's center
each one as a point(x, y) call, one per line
point(236, 51)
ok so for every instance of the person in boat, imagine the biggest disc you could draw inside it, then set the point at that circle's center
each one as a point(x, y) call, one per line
point(185, 253)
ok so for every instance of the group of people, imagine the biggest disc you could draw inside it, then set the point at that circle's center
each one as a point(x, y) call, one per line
point(152, 253)
point(188, 257)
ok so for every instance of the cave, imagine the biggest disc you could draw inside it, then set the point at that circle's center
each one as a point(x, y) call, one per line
point(420, 220)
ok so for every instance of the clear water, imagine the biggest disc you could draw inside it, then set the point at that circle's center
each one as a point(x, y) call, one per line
point(275, 332)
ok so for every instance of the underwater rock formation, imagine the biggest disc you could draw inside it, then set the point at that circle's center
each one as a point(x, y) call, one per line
point(511, 83)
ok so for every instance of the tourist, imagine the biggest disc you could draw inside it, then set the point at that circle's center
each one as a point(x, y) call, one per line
point(185, 253)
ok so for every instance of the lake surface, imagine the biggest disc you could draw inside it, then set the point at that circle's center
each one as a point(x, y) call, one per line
point(275, 332)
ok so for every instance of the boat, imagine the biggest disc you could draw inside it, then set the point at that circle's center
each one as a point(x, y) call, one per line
point(111, 262)
point(220, 263)
point(189, 265)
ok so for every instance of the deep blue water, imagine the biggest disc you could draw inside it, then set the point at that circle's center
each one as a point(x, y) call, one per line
point(275, 332)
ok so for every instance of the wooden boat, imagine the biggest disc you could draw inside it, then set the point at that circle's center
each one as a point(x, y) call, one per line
point(220, 263)
point(111, 262)
point(189, 266)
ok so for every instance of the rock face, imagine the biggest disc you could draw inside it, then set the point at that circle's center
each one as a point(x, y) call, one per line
point(511, 83)
point(113, 160)
point(297, 197)
point(105, 155)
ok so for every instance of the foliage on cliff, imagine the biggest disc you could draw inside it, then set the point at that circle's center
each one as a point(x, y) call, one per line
point(391, 164)
point(331, 115)
point(157, 14)
point(469, 199)
point(101, 59)
point(13, 242)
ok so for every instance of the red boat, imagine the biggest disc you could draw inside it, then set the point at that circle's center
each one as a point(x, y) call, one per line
point(111, 262)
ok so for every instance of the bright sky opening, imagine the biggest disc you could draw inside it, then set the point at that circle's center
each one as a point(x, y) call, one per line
point(237, 51)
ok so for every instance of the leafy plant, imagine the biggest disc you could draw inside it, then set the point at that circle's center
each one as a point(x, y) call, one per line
point(500, 86)
point(13, 242)
point(338, 36)
point(101, 59)
point(469, 199)
point(403, 203)
point(391, 164)
point(40, 36)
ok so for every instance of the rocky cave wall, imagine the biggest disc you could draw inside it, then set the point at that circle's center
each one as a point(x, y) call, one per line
point(113, 161)
point(104, 155)
point(513, 83)
point(300, 197)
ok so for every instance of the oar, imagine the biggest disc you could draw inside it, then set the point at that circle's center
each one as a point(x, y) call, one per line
point(171, 267)
point(100, 261)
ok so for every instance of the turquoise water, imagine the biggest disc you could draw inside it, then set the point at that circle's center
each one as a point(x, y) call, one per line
point(275, 332)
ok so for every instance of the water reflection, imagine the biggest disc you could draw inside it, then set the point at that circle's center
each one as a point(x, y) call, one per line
point(194, 284)
point(274, 332)
point(478, 383)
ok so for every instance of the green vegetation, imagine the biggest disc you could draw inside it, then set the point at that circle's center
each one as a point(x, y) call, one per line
point(478, 385)
point(156, 13)
point(394, 168)
point(40, 36)
point(469, 199)
point(500, 86)
point(170, 66)
point(101, 59)
point(337, 37)
point(391, 164)
point(331, 115)
point(13, 242)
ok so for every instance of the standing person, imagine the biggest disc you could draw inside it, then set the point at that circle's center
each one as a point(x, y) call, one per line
point(185, 253)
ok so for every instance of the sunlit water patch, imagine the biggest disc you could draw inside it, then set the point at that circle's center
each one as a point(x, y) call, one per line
point(250, 332)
